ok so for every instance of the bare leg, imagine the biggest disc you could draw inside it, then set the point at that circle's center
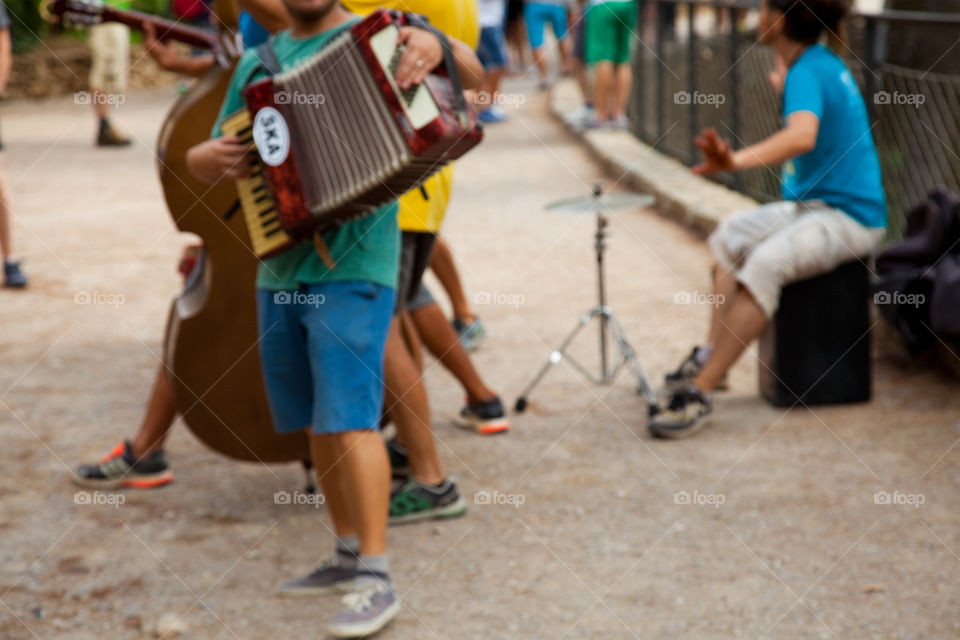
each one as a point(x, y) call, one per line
point(516, 33)
point(540, 58)
point(325, 458)
point(6, 249)
point(602, 86)
point(158, 419)
point(99, 104)
point(725, 287)
point(494, 76)
point(356, 482)
point(566, 56)
point(580, 75)
point(743, 323)
point(445, 268)
point(407, 405)
point(441, 340)
point(623, 82)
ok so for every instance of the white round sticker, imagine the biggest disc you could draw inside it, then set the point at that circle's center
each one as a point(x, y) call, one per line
point(271, 136)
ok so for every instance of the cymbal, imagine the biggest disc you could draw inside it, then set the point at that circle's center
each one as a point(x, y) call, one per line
point(606, 202)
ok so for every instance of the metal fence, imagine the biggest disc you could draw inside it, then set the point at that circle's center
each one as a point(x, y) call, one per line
point(698, 65)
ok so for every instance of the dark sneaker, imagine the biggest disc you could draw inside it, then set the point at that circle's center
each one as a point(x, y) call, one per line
point(472, 334)
point(399, 464)
point(688, 370)
point(110, 137)
point(120, 470)
point(414, 502)
point(367, 610)
point(483, 417)
point(329, 577)
point(686, 414)
point(13, 277)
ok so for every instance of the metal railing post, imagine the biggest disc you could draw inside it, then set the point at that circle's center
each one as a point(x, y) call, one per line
point(639, 86)
point(735, 92)
point(659, 63)
point(692, 79)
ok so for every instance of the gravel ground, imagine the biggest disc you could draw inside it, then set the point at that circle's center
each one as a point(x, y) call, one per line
point(586, 536)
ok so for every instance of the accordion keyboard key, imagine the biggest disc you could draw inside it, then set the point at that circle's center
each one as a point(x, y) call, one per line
point(256, 203)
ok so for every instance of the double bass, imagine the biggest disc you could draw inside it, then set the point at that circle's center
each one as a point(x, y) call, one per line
point(210, 347)
point(211, 344)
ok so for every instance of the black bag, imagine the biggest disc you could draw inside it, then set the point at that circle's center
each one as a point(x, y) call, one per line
point(918, 290)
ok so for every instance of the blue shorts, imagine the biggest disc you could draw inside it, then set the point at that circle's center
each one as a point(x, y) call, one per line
point(322, 351)
point(538, 14)
point(492, 49)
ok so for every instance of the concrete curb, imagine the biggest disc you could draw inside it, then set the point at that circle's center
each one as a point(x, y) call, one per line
point(691, 200)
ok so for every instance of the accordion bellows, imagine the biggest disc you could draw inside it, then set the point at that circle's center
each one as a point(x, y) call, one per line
point(337, 138)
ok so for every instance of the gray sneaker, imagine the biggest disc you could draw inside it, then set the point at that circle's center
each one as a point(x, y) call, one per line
point(687, 413)
point(367, 610)
point(329, 577)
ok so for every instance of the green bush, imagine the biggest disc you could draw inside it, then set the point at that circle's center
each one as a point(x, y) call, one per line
point(26, 25)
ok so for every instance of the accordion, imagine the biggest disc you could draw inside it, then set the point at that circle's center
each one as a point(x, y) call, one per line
point(337, 138)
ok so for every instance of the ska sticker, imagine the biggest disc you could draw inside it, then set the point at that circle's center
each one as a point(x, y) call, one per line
point(271, 136)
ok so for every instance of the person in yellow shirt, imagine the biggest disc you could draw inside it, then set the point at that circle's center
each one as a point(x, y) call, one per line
point(427, 492)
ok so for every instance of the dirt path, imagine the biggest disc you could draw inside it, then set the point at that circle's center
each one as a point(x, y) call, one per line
point(786, 543)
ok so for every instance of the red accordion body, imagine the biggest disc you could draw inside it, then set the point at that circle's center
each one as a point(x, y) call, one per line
point(336, 136)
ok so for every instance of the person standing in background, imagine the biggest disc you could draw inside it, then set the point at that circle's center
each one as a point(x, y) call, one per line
point(578, 23)
point(537, 14)
point(515, 30)
point(611, 26)
point(492, 51)
point(12, 276)
point(110, 60)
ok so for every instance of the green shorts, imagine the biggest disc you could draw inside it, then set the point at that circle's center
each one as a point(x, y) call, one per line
point(610, 31)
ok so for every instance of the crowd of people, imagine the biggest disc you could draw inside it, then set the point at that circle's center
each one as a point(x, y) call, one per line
point(594, 37)
point(833, 210)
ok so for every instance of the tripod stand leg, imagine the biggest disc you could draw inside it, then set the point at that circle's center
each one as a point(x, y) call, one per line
point(633, 363)
point(555, 356)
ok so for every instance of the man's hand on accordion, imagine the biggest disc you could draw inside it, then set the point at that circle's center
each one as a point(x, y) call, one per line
point(422, 52)
point(219, 158)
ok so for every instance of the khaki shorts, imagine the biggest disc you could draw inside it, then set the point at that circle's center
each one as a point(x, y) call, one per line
point(110, 52)
point(782, 242)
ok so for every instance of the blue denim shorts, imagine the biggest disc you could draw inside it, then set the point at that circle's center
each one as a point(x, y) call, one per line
point(322, 350)
point(492, 49)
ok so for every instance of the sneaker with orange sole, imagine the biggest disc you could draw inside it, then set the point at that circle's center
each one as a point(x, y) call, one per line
point(120, 469)
point(486, 417)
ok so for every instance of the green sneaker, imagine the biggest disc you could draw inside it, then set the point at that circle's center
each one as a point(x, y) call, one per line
point(415, 501)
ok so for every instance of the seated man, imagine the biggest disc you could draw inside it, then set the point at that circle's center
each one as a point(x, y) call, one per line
point(833, 211)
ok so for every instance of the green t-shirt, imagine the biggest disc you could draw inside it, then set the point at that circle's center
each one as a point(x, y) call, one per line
point(367, 249)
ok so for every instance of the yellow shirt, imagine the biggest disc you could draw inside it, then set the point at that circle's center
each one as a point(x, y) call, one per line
point(458, 19)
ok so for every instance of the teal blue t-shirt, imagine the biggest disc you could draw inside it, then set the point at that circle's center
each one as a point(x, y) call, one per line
point(367, 249)
point(843, 169)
